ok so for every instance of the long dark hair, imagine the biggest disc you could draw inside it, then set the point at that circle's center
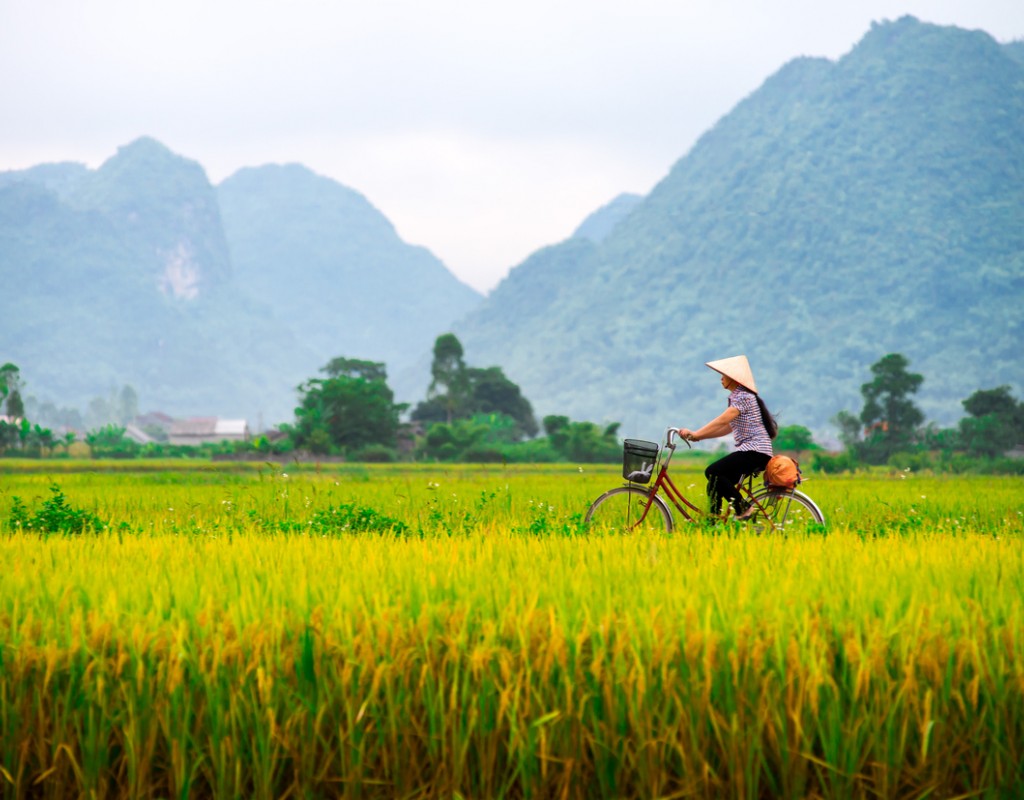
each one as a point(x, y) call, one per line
point(767, 419)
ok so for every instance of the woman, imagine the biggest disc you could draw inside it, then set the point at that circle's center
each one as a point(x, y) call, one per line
point(752, 427)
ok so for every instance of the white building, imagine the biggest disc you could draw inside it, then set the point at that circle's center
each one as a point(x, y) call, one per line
point(208, 430)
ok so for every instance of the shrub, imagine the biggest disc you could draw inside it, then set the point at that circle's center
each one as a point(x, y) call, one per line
point(832, 463)
point(375, 453)
point(54, 516)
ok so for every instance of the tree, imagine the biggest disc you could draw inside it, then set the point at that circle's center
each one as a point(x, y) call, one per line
point(15, 406)
point(999, 402)
point(795, 438)
point(356, 368)
point(995, 424)
point(583, 441)
point(350, 409)
point(449, 383)
point(458, 391)
point(8, 435)
point(493, 393)
point(10, 390)
point(109, 441)
point(128, 407)
point(849, 429)
point(889, 416)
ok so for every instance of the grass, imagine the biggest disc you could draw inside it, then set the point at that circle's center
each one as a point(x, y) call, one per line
point(396, 631)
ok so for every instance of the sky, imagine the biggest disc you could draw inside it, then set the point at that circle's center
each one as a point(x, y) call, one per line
point(483, 130)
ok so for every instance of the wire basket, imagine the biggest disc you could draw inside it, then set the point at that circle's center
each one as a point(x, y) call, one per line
point(639, 459)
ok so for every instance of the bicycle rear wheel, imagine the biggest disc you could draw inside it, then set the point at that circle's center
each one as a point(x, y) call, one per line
point(785, 510)
point(622, 509)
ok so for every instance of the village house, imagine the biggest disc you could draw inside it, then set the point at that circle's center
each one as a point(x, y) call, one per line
point(208, 430)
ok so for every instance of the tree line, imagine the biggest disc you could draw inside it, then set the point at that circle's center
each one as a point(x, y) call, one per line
point(472, 414)
point(476, 414)
point(890, 429)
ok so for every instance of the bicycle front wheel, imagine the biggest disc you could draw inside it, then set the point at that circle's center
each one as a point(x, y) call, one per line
point(786, 509)
point(630, 509)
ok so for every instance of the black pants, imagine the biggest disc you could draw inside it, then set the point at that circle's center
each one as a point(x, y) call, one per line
point(724, 474)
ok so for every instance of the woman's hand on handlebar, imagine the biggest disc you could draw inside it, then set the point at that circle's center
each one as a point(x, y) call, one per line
point(682, 433)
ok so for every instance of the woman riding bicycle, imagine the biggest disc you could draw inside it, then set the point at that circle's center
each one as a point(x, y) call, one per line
point(753, 429)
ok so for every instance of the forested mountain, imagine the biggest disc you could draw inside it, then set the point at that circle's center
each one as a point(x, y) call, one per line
point(128, 275)
point(843, 211)
point(600, 223)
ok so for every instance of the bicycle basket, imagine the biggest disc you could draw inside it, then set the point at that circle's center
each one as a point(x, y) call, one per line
point(638, 460)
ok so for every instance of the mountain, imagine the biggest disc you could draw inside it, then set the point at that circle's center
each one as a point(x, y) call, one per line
point(1015, 50)
point(336, 270)
point(133, 274)
point(601, 222)
point(842, 211)
point(122, 276)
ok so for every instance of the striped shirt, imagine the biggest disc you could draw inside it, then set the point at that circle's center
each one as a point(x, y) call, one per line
point(748, 429)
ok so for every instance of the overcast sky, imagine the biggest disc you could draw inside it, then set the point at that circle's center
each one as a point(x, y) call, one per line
point(482, 130)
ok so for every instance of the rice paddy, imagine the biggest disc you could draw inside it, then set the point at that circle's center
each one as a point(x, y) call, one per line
point(420, 631)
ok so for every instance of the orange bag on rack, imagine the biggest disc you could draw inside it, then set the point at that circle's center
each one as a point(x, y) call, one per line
point(782, 472)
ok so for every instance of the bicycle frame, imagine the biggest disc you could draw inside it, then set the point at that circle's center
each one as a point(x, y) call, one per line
point(664, 484)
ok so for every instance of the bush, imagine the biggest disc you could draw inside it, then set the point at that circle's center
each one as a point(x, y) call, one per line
point(916, 462)
point(374, 453)
point(535, 451)
point(832, 463)
point(483, 454)
point(54, 516)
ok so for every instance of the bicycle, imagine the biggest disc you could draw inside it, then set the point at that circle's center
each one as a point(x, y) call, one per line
point(636, 506)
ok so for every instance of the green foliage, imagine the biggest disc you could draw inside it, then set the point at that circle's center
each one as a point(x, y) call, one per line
point(995, 424)
point(449, 384)
point(449, 442)
point(834, 463)
point(493, 438)
point(353, 518)
point(10, 381)
point(26, 439)
point(491, 392)
point(583, 441)
point(461, 392)
point(889, 416)
point(110, 441)
point(353, 408)
point(15, 405)
point(55, 515)
point(794, 438)
point(8, 435)
point(374, 454)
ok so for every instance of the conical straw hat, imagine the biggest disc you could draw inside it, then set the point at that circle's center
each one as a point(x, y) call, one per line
point(737, 368)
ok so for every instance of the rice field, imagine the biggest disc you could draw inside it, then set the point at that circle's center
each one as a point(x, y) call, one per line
point(419, 631)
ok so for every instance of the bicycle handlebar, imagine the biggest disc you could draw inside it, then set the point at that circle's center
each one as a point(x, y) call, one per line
point(669, 433)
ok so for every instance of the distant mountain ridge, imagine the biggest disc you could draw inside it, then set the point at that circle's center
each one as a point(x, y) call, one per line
point(603, 221)
point(842, 211)
point(127, 275)
point(361, 291)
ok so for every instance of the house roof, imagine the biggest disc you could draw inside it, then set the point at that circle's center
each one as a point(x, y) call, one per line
point(155, 418)
point(195, 426)
point(136, 434)
point(208, 426)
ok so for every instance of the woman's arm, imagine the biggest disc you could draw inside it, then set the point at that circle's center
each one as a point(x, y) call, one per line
point(719, 426)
